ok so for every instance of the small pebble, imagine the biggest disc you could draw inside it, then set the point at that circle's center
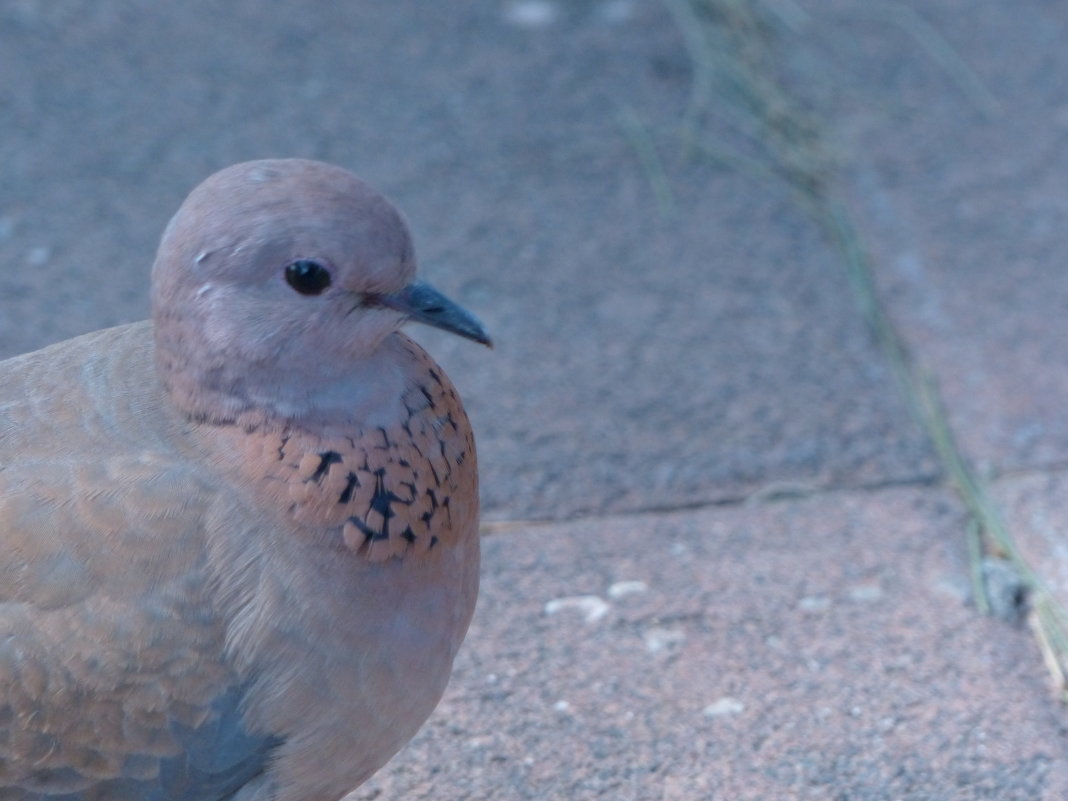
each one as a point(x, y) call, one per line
point(624, 588)
point(531, 13)
point(592, 607)
point(723, 707)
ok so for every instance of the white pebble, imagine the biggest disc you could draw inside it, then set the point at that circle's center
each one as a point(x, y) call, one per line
point(623, 588)
point(531, 13)
point(724, 706)
point(814, 603)
point(866, 593)
point(659, 639)
point(592, 607)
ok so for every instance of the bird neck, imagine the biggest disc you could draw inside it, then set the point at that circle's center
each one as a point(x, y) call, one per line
point(319, 396)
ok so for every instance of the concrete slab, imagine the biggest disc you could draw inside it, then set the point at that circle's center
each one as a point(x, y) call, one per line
point(806, 649)
point(952, 126)
point(647, 357)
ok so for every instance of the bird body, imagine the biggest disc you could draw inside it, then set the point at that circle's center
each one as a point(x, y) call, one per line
point(239, 542)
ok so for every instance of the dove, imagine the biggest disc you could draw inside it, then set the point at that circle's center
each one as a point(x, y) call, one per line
point(238, 542)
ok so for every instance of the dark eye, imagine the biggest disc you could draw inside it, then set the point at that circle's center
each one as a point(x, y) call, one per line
point(307, 277)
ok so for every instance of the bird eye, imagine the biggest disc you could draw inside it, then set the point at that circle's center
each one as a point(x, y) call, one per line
point(307, 277)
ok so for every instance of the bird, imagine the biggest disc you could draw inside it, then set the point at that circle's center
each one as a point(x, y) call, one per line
point(238, 541)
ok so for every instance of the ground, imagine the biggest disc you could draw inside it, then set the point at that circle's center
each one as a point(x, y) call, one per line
point(779, 307)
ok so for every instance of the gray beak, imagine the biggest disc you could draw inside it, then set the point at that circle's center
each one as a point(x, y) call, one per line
point(424, 304)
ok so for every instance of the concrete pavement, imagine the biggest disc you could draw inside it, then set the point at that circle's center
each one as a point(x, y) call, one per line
point(722, 562)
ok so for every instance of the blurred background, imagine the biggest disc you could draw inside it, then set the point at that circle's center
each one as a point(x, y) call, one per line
point(739, 257)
